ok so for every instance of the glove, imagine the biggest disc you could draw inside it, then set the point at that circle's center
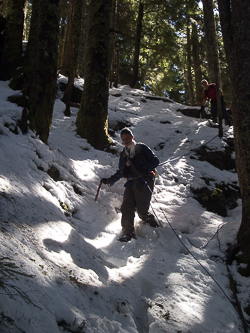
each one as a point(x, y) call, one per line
point(105, 181)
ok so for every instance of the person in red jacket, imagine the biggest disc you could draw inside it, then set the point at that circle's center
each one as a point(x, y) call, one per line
point(210, 93)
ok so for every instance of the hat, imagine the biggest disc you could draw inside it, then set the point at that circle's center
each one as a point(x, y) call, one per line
point(126, 130)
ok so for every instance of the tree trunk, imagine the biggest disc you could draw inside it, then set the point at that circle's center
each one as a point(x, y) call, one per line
point(92, 118)
point(211, 39)
point(134, 79)
point(112, 69)
point(117, 68)
point(235, 24)
point(81, 46)
point(197, 65)
point(212, 54)
point(27, 15)
point(112, 40)
point(189, 67)
point(64, 70)
point(62, 34)
point(70, 85)
point(12, 50)
point(40, 68)
point(77, 25)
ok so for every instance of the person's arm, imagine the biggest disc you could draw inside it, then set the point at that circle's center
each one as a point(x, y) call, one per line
point(203, 106)
point(204, 102)
point(116, 176)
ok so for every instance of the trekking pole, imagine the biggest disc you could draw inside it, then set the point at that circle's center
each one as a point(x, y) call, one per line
point(98, 190)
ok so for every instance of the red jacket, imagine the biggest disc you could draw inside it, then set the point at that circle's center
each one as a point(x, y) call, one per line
point(210, 92)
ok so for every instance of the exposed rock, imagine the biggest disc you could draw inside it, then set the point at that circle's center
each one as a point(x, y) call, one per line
point(165, 122)
point(119, 125)
point(116, 95)
point(18, 99)
point(76, 93)
point(220, 159)
point(195, 113)
point(223, 197)
point(54, 173)
point(214, 201)
point(158, 98)
point(160, 146)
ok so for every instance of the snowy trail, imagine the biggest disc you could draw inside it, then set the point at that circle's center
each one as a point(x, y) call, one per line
point(84, 279)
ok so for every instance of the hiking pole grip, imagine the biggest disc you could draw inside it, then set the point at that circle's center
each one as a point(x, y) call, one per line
point(98, 190)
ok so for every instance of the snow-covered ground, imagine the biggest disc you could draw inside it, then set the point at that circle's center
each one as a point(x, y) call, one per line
point(82, 278)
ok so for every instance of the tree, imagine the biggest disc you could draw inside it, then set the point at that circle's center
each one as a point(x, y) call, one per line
point(211, 41)
point(196, 63)
point(12, 47)
point(123, 26)
point(212, 54)
point(71, 58)
point(27, 17)
point(40, 68)
point(5, 6)
point(235, 23)
point(189, 65)
point(64, 39)
point(137, 46)
point(92, 118)
point(62, 43)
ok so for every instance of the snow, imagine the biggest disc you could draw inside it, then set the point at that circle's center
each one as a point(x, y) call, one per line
point(84, 279)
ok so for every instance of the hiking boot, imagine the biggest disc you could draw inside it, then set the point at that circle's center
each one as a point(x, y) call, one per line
point(127, 238)
point(152, 222)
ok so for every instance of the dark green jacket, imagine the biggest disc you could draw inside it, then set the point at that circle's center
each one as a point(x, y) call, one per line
point(142, 164)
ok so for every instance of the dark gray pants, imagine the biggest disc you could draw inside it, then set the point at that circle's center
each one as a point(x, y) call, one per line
point(136, 198)
point(225, 114)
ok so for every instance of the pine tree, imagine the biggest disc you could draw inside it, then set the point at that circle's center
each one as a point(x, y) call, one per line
point(234, 17)
point(92, 118)
point(137, 45)
point(71, 59)
point(212, 54)
point(12, 40)
point(196, 63)
point(40, 69)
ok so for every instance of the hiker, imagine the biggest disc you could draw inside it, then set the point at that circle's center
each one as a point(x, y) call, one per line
point(210, 93)
point(137, 164)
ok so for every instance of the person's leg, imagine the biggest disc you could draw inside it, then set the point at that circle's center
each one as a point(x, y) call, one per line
point(143, 195)
point(225, 114)
point(214, 111)
point(128, 211)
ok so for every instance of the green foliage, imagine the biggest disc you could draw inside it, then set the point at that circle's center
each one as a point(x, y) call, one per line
point(163, 62)
point(162, 55)
point(163, 59)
